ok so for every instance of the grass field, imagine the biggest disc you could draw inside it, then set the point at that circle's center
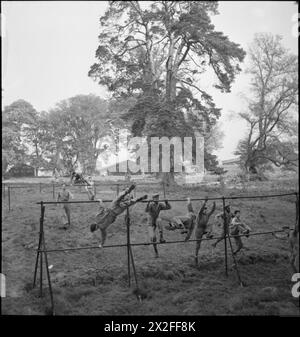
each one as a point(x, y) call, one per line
point(95, 282)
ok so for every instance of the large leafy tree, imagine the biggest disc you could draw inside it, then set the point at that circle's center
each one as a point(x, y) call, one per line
point(272, 108)
point(156, 52)
point(21, 138)
point(75, 126)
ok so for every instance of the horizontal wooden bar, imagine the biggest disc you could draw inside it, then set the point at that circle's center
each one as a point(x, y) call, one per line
point(173, 200)
point(159, 243)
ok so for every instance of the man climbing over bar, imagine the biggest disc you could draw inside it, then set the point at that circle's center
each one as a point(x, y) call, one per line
point(185, 222)
point(228, 218)
point(65, 195)
point(201, 226)
point(154, 221)
point(107, 215)
point(237, 228)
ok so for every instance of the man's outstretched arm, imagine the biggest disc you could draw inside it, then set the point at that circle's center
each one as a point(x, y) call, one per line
point(125, 192)
point(202, 208)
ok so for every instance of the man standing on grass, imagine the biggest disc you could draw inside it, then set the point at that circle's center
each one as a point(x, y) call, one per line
point(90, 188)
point(154, 221)
point(228, 218)
point(237, 228)
point(107, 215)
point(65, 195)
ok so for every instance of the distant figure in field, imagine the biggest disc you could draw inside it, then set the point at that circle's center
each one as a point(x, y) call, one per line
point(77, 178)
point(55, 174)
point(107, 215)
point(90, 188)
point(228, 218)
point(65, 195)
point(154, 221)
point(201, 225)
point(237, 228)
point(185, 222)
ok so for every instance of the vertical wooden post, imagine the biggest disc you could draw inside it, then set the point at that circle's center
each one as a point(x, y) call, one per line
point(38, 251)
point(128, 246)
point(225, 237)
point(53, 190)
point(297, 210)
point(46, 261)
point(3, 191)
point(40, 187)
point(8, 193)
point(41, 255)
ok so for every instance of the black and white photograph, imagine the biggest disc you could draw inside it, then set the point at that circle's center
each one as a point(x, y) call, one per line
point(150, 161)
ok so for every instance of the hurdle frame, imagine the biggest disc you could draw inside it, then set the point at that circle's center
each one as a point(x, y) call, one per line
point(130, 259)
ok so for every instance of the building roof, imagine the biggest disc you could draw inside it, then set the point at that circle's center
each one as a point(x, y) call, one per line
point(231, 161)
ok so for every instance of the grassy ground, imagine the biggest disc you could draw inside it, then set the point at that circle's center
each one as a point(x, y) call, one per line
point(96, 282)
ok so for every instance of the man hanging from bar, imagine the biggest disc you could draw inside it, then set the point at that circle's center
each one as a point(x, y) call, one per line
point(237, 228)
point(185, 222)
point(201, 226)
point(154, 221)
point(107, 215)
point(228, 218)
point(65, 195)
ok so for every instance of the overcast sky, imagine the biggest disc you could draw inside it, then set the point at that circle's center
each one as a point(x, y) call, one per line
point(48, 47)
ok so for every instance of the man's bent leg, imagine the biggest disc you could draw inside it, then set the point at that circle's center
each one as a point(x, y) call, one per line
point(220, 239)
point(239, 244)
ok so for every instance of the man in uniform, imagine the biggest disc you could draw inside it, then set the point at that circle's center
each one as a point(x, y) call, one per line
point(154, 221)
point(201, 226)
point(228, 218)
point(65, 195)
point(107, 215)
point(237, 228)
point(90, 188)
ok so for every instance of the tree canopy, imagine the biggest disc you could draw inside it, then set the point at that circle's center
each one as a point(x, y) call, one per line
point(272, 108)
point(156, 53)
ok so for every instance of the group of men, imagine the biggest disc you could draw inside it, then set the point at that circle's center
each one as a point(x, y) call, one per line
point(106, 215)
